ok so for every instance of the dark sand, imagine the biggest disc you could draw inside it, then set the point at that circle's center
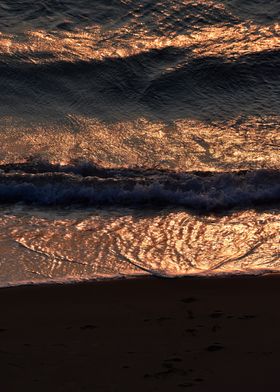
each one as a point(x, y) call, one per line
point(142, 335)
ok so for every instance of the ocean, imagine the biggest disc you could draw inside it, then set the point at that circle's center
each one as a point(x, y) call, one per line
point(138, 138)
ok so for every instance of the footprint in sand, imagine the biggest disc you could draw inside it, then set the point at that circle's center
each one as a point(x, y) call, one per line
point(187, 385)
point(89, 326)
point(214, 347)
point(247, 317)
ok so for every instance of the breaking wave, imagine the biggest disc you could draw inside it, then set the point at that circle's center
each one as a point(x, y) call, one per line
point(167, 108)
point(87, 185)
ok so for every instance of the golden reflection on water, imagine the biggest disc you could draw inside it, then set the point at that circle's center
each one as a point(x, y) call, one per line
point(142, 29)
point(175, 243)
point(93, 43)
point(185, 145)
point(81, 245)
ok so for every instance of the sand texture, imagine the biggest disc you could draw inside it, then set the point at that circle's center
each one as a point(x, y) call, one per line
point(142, 335)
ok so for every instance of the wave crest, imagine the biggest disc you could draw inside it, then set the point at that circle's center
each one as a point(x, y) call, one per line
point(87, 185)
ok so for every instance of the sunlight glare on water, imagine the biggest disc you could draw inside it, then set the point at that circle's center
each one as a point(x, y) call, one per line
point(138, 138)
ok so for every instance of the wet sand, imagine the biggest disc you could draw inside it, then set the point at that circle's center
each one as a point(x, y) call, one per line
point(142, 335)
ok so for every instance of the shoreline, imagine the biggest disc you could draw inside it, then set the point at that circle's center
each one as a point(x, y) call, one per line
point(146, 334)
point(141, 277)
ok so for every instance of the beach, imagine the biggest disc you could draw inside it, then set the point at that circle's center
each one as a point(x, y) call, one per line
point(139, 195)
point(202, 334)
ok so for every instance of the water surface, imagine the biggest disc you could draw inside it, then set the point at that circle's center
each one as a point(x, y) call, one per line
point(138, 138)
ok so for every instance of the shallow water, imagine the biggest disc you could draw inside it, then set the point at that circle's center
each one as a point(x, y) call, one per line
point(138, 138)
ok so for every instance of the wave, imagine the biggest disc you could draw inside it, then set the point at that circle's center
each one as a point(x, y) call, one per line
point(168, 84)
point(87, 185)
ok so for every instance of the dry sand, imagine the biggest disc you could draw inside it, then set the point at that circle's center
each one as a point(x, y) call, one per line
point(142, 335)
